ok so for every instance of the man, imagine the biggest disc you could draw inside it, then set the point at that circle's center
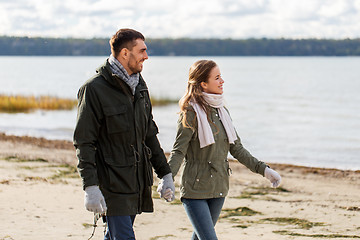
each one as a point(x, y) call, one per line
point(115, 139)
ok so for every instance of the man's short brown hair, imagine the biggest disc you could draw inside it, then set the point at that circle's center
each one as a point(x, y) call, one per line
point(124, 38)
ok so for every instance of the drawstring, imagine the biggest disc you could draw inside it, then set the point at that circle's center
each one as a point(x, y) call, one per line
point(147, 151)
point(229, 171)
point(148, 167)
point(136, 155)
point(147, 156)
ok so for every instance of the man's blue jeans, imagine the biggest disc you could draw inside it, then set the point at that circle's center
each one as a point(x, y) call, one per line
point(203, 215)
point(120, 227)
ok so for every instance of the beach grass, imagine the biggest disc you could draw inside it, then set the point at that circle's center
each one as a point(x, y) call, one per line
point(162, 237)
point(302, 223)
point(21, 103)
point(65, 171)
point(251, 193)
point(17, 159)
point(156, 101)
point(240, 211)
point(326, 236)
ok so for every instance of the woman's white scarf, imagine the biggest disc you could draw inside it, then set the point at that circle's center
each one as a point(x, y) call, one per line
point(206, 136)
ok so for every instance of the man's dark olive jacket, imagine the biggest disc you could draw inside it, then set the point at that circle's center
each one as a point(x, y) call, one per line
point(116, 143)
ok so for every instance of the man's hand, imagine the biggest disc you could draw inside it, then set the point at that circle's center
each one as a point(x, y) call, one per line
point(166, 188)
point(273, 177)
point(94, 200)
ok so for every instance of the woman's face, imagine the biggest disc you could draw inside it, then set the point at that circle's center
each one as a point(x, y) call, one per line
point(214, 85)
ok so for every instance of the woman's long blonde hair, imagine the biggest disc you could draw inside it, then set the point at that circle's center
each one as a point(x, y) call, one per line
point(199, 72)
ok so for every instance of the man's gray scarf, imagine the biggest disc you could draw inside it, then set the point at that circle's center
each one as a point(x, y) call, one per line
point(118, 69)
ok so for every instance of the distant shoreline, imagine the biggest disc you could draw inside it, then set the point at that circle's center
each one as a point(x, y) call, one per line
point(42, 46)
point(68, 145)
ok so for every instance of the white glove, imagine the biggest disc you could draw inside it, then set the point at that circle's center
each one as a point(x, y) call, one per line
point(273, 177)
point(94, 200)
point(166, 188)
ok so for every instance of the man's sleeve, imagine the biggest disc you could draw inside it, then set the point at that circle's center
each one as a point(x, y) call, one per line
point(86, 135)
point(158, 159)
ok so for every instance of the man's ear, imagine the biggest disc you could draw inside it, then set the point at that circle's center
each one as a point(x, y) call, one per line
point(124, 53)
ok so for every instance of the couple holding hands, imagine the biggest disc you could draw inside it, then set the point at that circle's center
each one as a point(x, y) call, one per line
point(117, 147)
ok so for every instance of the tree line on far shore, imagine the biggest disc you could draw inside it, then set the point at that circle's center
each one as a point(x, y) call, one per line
point(38, 46)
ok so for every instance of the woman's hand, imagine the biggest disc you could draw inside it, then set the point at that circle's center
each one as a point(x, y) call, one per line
point(273, 177)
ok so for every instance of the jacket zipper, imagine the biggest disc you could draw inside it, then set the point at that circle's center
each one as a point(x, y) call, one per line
point(137, 162)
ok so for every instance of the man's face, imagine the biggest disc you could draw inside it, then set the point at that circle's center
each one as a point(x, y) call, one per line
point(137, 56)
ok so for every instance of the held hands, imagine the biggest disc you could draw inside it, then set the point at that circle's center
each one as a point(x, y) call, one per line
point(273, 177)
point(94, 200)
point(166, 188)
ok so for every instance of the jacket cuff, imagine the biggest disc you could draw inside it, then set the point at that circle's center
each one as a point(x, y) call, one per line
point(164, 171)
point(262, 169)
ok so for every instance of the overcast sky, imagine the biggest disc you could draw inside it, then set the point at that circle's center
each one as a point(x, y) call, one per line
point(182, 18)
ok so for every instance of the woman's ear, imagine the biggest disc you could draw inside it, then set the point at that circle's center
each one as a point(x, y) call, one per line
point(203, 85)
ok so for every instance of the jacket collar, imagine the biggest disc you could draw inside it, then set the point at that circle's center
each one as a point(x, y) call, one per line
point(118, 83)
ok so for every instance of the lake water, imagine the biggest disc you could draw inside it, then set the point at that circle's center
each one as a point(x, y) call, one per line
point(296, 110)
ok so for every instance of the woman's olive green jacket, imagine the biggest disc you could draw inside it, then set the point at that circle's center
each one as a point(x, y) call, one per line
point(116, 143)
point(206, 170)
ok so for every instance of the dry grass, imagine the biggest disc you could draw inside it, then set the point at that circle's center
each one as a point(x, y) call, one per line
point(162, 101)
point(19, 103)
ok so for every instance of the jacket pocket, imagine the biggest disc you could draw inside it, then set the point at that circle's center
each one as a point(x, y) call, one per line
point(203, 180)
point(121, 178)
point(116, 119)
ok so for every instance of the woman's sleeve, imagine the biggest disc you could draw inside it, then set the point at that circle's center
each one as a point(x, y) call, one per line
point(238, 151)
point(182, 141)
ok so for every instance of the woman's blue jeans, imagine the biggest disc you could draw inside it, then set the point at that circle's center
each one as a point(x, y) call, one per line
point(120, 227)
point(203, 215)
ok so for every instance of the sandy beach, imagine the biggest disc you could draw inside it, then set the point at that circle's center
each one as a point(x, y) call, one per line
point(42, 198)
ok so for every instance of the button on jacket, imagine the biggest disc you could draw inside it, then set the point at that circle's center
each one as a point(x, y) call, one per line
point(116, 143)
point(206, 170)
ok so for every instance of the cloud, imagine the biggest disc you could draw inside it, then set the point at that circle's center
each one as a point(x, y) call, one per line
point(186, 18)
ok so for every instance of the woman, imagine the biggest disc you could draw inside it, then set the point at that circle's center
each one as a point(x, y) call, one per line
point(204, 137)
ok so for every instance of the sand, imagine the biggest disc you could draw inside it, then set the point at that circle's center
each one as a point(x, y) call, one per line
point(42, 198)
